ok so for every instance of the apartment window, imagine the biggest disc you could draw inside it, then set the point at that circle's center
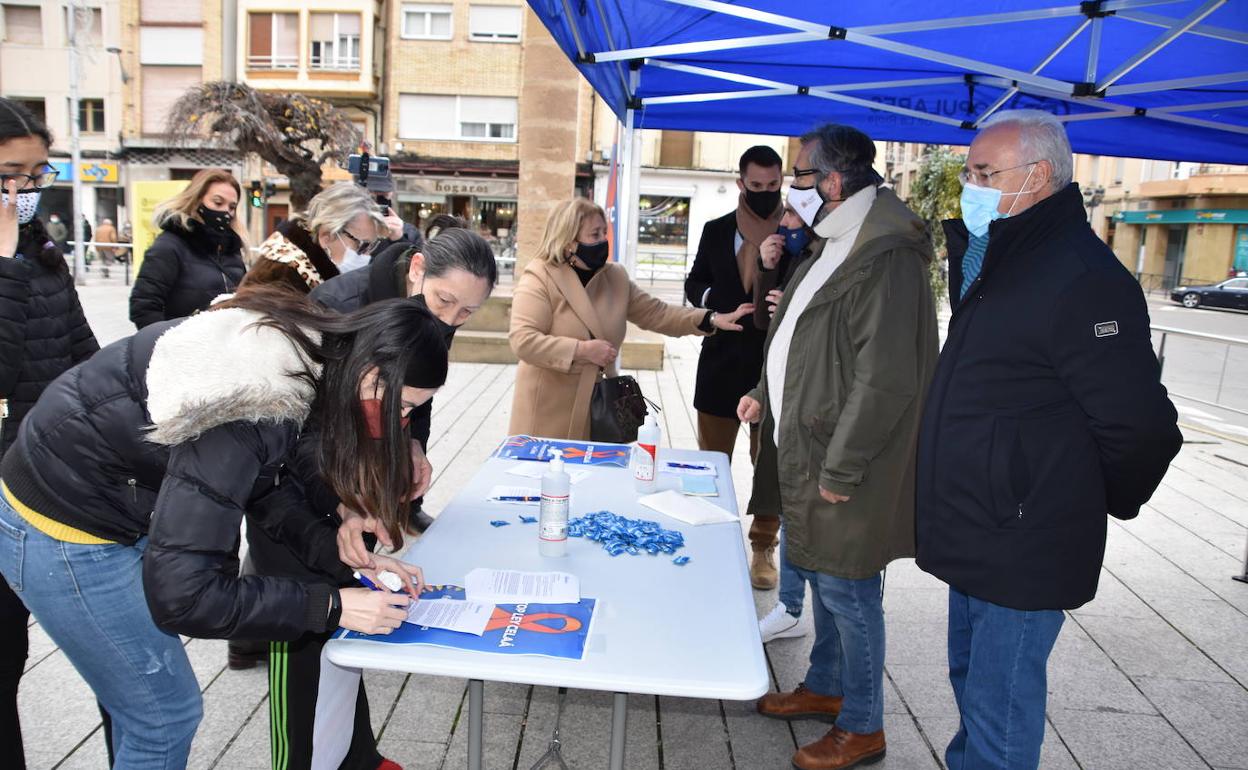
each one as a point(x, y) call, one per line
point(676, 149)
point(171, 11)
point(91, 116)
point(427, 22)
point(90, 26)
point(35, 106)
point(335, 41)
point(473, 118)
point(494, 23)
point(273, 41)
point(23, 24)
point(162, 86)
point(183, 46)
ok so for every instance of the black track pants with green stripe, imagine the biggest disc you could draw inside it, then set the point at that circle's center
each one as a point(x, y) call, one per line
point(297, 682)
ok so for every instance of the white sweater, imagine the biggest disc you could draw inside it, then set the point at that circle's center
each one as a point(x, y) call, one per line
point(840, 228)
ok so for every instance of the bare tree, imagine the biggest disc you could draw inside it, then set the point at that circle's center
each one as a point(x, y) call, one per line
point(295, 133)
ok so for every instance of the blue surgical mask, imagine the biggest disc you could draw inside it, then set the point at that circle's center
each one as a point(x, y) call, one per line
point(980, 205)
point(979, 208)
point(795, 238)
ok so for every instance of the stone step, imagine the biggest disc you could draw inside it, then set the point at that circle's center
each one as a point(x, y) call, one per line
point(494, 315)
point(642, 349)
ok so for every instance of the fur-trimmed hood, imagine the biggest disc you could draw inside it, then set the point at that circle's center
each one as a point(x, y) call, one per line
point(220, 367)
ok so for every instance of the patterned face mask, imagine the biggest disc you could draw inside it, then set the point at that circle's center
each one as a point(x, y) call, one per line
point(27, 204)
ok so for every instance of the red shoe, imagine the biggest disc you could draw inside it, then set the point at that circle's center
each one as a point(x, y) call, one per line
point(387, 764)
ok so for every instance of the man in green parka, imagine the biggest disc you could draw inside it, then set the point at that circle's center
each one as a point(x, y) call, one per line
point(849, 356)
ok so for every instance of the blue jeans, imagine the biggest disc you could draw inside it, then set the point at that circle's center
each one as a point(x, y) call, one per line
point(997, 666)
point(89, 599)
point(792, 584)
point(848, 657)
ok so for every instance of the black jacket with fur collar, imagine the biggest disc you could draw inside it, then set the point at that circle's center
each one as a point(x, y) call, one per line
point(174, 433)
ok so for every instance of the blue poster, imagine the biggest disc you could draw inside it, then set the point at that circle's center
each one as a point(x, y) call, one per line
point(552, 630)
point(574, 452)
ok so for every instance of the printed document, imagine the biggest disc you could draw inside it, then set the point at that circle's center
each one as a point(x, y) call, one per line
point(500, 586)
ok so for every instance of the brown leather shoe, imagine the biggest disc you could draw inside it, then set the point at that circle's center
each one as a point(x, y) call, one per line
point(800, 704)
point(763, 573)
point(840, 749)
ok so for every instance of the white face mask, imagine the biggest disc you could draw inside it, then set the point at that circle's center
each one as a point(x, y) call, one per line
point(351, 258)
point(27, 204)
point(806, 202)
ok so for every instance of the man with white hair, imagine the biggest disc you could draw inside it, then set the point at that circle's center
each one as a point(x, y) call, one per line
point(1046, 413)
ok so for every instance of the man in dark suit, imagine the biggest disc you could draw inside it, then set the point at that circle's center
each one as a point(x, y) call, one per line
point(722, 278)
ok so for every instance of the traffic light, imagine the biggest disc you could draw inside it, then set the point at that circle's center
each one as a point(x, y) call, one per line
point(257, 196)
point(270, 189)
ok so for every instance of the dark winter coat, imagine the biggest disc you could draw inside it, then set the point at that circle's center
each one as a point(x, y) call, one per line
point(1045, 414)
point(862, 354)
point(43, 331)
point(173, 433)
point(183, 271)
point(730, 364)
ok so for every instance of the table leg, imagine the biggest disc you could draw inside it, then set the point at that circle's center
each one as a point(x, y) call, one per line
point(619, 728)
point(476, 707)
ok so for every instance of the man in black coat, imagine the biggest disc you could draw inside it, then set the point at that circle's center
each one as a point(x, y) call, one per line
point(1045, 414)
point(722, 278)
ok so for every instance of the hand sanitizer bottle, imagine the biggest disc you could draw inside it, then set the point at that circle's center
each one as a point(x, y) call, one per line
point(552, 523)
point(646, 455)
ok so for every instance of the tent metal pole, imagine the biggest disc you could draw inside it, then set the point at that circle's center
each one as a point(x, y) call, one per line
point(1229, 105)
point(1178, 83)
point(1160, 42)
point(606, 29)
point(961, 62)
point(1094, 49)
point(968, 21)
point(1036, 70)
point(576, 32)
point(703, 46)
point(1199, 122)
point(717, 96)
point(1084, 116)
point(709, 72)
point(1204, 30)
point(628, 208)
point(1122, 5)
point(998, 104)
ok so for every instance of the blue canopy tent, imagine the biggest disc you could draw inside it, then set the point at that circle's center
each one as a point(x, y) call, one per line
point(1165, 79)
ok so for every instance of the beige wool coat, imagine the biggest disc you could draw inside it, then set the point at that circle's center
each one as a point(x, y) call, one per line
point(551, 311)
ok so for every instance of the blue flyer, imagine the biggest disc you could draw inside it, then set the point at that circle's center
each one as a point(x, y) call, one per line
point(574, 452)
point(551, 630)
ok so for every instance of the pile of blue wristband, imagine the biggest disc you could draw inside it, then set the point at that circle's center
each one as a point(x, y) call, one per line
point(622, 535)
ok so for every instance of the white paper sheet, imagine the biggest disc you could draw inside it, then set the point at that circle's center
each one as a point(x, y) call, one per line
point(531, 470)
point(451, 614)
point(501, 586)
point(499, 492)
point(691, 510)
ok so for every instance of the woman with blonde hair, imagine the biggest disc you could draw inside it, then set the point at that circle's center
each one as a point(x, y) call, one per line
point(568, 319)
point(339, 232)
point(199, 254)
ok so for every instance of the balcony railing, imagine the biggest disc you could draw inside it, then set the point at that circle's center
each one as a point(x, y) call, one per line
point(332, 64)
point(273, 62)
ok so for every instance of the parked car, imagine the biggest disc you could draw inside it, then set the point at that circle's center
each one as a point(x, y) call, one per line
point(1232, 293)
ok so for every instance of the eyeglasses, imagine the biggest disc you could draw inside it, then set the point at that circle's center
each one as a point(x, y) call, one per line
point(362, 246)
point(981, 179)
point(804, 171)
point(38, 181)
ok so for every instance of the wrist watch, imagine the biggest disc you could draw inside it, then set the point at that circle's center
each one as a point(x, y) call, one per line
point(335, 610)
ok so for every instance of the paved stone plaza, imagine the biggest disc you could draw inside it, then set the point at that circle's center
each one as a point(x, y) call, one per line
point(1152, 674)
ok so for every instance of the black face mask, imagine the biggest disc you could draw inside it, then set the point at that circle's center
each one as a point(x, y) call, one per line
point(594, 255)
point(763, 202)
point(219, 221)
point(446, 330)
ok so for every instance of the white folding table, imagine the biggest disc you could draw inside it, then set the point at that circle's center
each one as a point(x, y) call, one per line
point(659, 628)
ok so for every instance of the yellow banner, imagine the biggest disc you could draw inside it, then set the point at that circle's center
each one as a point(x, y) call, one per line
point(144, 198)
point(99, 172)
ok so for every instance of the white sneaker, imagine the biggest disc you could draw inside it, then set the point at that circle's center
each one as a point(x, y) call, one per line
point(779, 624)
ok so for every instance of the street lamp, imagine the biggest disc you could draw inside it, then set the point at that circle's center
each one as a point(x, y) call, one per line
point(1092, 197)
point(121, 65)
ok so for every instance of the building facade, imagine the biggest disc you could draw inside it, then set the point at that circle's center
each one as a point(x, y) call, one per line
point(35, 70)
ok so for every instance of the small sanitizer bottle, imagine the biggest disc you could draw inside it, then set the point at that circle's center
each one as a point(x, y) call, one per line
point(552, 524)
point(646, 455)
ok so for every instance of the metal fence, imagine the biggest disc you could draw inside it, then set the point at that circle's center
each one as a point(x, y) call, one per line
point(1164, 283)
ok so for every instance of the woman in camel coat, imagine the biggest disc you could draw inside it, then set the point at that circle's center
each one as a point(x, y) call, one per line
point(568, 319)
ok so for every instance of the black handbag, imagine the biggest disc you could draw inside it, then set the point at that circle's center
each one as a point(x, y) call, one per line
point(617, 409)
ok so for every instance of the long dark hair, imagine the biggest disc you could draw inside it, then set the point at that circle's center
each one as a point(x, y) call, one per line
point(457, 248)
point(18, 122)
point(396, 337)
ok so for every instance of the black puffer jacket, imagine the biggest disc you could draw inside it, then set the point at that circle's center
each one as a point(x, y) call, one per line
point(1045, 414)
point(183, 271)
point(43, 331)
point(173, 433)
